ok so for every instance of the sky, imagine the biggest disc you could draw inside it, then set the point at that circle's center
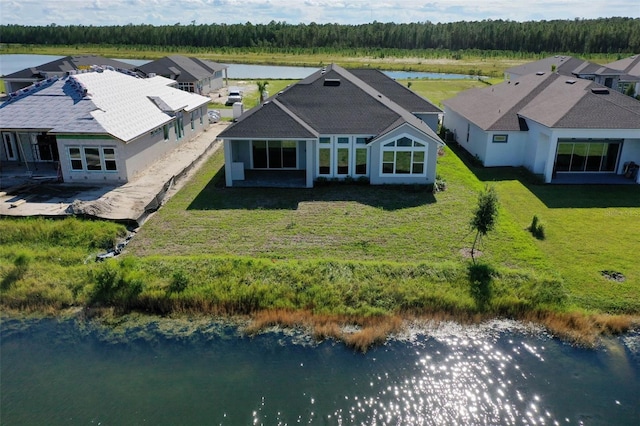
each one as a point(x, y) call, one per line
point(185, 12)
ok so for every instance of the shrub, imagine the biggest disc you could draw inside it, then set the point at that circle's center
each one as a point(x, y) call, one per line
point(179, 282)
point(536, 228)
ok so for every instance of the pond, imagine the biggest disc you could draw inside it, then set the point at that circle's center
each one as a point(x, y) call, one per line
point(12, 63)
point(190, 372)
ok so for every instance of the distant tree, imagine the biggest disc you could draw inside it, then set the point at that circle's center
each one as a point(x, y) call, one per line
point(484, 218)
point(262, 87)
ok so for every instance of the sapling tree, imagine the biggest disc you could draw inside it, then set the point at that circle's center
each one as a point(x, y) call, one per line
point(484, 217)
point(262, 87)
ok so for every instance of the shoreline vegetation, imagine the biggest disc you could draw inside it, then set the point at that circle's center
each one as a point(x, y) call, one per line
point(344, 261)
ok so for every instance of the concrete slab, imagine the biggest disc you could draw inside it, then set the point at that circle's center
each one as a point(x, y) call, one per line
point(129, 203)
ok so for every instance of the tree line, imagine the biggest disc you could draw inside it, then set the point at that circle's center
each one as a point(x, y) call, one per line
point(604, 35)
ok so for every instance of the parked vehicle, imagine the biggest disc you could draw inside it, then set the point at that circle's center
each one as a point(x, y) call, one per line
point(235, 95)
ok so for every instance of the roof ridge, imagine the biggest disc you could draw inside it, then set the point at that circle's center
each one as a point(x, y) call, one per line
point(295, 117)
point(528, 98)
point(386, 101)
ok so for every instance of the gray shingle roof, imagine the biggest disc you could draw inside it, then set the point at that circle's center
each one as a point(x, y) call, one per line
point(269, 120)
point(330, 101)
point(630, 65)
point(553, 100)
point(404, 97)
point(62, 66)
point(185, 68)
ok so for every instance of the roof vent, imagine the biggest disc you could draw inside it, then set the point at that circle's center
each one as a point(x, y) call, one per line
point(570, 82)
point(516, 83)
point(332, 82)
point(600, 91)
point(540, 73)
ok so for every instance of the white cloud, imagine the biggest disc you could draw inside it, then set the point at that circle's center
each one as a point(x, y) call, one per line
point(161, 12)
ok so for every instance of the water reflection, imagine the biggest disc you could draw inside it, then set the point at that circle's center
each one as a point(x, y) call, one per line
point(497, 373)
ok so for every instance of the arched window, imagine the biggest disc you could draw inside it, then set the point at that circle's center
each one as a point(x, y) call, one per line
point(404, 156)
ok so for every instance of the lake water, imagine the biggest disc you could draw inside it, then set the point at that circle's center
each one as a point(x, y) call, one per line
point(12, 63)
point(66, 373)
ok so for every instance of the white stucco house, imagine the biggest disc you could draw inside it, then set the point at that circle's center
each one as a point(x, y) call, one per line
point(100, 125)
point(335, 124)
point(558, 127)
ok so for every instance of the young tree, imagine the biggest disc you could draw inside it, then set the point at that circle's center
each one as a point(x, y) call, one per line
point(484, 218)
point(262, 87)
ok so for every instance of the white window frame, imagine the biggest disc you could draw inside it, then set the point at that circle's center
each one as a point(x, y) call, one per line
point(423, 147)
point(83, 158)
point(328, 146)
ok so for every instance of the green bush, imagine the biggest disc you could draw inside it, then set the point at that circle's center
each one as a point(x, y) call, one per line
point(179, 282)
point(536, 228)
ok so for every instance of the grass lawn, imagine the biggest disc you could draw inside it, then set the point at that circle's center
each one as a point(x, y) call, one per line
point(356, 252)
point(587, 229)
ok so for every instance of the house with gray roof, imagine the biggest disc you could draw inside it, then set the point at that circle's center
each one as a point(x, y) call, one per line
point(561, 128)
point(192, 74)
point(335, 124)
point(98, 125)
point(618, 75)
point(58, 68)
point(630, 67)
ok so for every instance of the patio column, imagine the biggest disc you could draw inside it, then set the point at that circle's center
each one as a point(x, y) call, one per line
point(310, 164)
point(227, 163)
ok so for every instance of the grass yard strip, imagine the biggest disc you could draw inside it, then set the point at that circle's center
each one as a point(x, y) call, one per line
point(589, 229)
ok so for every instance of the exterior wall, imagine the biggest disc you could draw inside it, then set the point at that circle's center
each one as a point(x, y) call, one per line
point(146, 149)
point(209, 84)
point(375, 159)
point(67, 142)
point(537, 145)
point(509, 153)
point(630, 152)
point(431, 120)
point(467, 134)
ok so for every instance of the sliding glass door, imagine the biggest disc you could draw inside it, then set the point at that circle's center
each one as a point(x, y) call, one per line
point(275, 154)
point(587, 156)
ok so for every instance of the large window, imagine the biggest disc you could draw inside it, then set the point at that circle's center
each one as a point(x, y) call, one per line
point(92, 158)
point(274, 154)
point(324, 156)
point(587, 156)
point(404, 156)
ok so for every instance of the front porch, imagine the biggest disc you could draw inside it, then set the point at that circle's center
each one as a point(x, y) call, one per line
point(272, 179)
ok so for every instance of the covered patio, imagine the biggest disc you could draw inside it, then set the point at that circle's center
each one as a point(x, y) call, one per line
point(591, 179)
point(273, 179)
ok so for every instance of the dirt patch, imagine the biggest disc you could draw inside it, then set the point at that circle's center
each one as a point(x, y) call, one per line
point(466, 253)
point(613, 276)
point(220, 95)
